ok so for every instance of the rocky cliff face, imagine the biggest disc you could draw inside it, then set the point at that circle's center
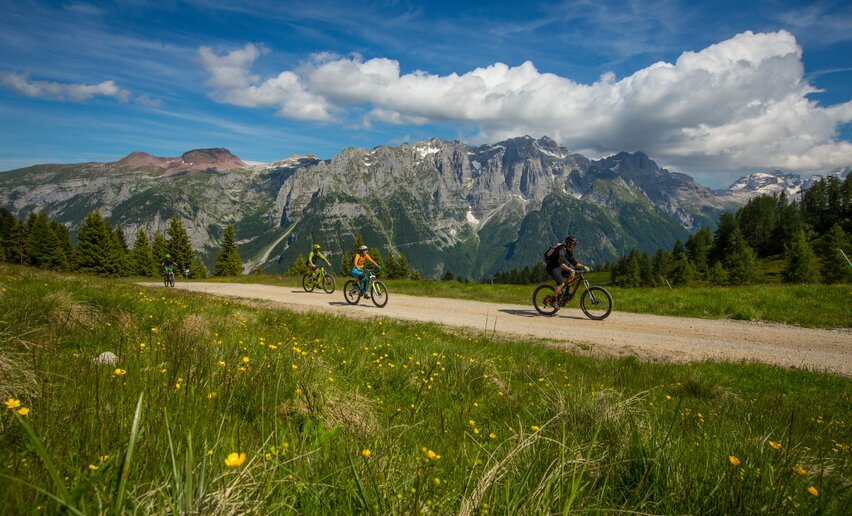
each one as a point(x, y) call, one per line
point(447, 205)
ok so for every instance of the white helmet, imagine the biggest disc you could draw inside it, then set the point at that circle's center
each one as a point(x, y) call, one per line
point(362, 248)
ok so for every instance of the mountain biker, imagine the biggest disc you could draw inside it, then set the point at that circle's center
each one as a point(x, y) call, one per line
point(558, 266)
point(312, 258)
point(168, 261)
point(358, 263)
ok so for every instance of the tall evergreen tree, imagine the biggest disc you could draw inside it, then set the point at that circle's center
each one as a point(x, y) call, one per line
point(120, 252)
point(159, 249)
point(8, 233)
point(43, 248)
point(94, 241)
point(683, 271)
point(141, 260)
point(740, 260)
point(179, 245)
point(722, 238)
point(228, 262)
point(757, 220)
point(63, 237)
point(661, 266)
point(698, 246)
point(300, 267)
point(833, 266)
point(197, 269)
point(802, 265)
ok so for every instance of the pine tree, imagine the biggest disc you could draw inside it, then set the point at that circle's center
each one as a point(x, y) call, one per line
point(63, 237)
point(661, 266)
point(300, 267)
point(834, 267)
point(159, 249)
point(403, 268)
point(697, 248)
point(94, 240)
point(120, 253)
point(228, 262)
point(179, 245)
point(8, 233)
point(376, 254)
point(802, 265)
point(197, 269)
point(740, 260)
point(141, 260)
point(391, 270)
point(722, 238)
point(717, 275)
point(43, 248)
point(683, 271)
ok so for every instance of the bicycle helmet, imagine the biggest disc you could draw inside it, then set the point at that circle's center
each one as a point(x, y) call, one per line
point(570, 240)
point(362, 248)
point(316, 247)
point(168, 255)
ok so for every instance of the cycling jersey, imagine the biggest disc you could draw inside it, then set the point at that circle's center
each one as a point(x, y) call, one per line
point(361, 260)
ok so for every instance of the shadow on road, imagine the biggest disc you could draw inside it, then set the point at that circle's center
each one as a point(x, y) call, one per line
point(533, 313)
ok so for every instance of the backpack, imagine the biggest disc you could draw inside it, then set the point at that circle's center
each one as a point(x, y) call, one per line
point(552, 253)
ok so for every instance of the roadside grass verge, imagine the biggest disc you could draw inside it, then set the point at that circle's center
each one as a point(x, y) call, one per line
point(812, 306)
point(339, 416)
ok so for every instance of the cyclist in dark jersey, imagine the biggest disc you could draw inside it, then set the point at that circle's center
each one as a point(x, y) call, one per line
point(561, 267)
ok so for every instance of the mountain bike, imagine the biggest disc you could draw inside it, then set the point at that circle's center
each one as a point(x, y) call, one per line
point(368, 287)
point(319, 278)
point(595, 302)
point(169, 276)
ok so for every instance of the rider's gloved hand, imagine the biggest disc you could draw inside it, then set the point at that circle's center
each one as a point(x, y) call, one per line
point(587, 268)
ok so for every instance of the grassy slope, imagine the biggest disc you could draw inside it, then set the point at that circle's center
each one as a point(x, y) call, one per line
point(815, 306)
point(519, 428)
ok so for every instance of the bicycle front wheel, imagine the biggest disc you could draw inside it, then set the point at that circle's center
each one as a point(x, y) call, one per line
point(308, 283)
point(542, 297)
point(351, 292)
point(380, 294)
point(596, 303)
point(328, 283)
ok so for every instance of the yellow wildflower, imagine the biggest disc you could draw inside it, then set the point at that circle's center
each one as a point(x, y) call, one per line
point(471, 422)
point(92, 467)
point(294, 366)
point(733, 460)
point(800, 470)
point(221, 363)
point(23, 411)
point(212, 395)
point(120, 372)
point(775, 444)
point(813, 490)
point(535, 428)
point(436, 481)
point(13, 403)
point(235, 460)
point(246, 360)
point(431, 455)
point(366, 453)
point(492, 435)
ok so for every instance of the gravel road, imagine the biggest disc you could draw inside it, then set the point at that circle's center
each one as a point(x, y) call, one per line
point(647, 337)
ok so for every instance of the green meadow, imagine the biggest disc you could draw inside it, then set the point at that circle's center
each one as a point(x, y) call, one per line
point(222, 408)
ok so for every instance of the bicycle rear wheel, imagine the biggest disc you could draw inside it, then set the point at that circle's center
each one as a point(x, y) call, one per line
point(308, 283)
point(379, 294)
point(328, 283)
point(351, 292)
point(596, 303)
point(541, 300)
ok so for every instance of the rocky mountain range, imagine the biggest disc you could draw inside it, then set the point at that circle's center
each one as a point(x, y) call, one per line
point(447, 205)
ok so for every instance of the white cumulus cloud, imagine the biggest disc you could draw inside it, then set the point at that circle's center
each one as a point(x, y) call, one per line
point(740, 103)
point(22, 84)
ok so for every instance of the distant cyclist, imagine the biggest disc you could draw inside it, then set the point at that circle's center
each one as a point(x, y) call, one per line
point(562, 265)
point(168, 262)
point(313, 256)
point(358, 263)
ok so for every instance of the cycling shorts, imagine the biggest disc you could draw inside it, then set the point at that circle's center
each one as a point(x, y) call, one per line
point(560, 275)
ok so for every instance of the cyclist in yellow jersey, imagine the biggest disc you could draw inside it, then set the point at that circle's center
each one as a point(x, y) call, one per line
point(358, 263)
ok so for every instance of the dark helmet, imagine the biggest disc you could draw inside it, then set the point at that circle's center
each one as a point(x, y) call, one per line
point(570, 240)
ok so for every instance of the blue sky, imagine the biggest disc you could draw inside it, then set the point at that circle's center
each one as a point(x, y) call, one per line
point(713, 89)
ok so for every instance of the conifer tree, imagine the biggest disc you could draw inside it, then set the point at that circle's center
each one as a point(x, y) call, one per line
point(391, 271)
point(228, 262)
point(834, 267)
point(197, 269)
point(159, 249)
point(94, 239)
point(697, 248)
point(740, 260)
point(717, 275)
point(403, 268)
point(802, 265)
point(120, 253)
point(63, 237)
point(300, 267)
point(43, 248)
point(7, 234)
point(141, 260)
point(179, 245)
point(683, 271)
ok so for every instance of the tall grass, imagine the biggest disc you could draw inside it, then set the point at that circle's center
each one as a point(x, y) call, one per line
point(338, 416)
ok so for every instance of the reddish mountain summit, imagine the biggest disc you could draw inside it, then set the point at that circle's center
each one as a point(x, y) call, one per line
point(198, 160)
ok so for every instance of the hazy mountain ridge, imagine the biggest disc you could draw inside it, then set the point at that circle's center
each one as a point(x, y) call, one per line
point(447, 205)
